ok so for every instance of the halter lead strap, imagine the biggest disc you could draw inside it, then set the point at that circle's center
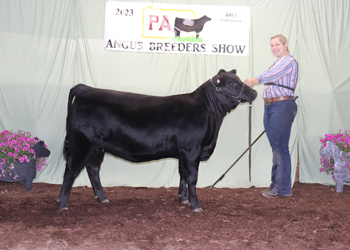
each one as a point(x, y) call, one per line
point(279, 85)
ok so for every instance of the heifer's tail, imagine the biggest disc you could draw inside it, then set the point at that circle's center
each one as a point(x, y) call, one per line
point(74, 92)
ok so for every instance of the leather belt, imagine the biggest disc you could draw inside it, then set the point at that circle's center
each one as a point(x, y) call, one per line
point(267, 100)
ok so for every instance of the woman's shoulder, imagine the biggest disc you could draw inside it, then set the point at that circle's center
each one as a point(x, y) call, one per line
point(289, 59)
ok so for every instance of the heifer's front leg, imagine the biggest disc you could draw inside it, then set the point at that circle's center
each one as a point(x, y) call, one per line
point(189, 170)
point(192, 182)
point(183, 191)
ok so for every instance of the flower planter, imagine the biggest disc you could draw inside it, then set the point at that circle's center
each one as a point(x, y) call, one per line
point(341, 173)
point(26, 171)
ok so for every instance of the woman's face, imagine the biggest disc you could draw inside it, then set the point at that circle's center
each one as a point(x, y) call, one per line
point(278, 48)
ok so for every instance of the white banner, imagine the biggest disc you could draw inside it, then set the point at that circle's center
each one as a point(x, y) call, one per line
point(174, 28)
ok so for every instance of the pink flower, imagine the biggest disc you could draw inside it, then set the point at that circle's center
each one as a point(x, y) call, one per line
point(9, 154)
point(5, 132)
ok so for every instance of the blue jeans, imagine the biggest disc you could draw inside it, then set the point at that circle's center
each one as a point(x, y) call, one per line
point(278, 119)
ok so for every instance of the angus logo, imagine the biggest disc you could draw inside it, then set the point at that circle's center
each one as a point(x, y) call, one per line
point(163, 23)
point(175, 28)
point(190, 25)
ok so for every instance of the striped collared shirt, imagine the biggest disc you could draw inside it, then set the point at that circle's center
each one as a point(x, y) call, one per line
point(284, 71)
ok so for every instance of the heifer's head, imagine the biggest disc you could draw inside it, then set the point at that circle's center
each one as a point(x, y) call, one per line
point(231, 90)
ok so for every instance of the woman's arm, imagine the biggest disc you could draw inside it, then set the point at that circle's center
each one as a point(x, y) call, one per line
point(277, 72)
point(251, 82)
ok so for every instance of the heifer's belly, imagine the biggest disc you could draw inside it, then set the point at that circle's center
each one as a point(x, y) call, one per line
point(141, 147)
point(144, 136)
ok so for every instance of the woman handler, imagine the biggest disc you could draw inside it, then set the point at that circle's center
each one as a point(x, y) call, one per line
point(280, 109)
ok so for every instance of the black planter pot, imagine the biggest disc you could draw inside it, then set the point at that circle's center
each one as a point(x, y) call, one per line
point(26, 171)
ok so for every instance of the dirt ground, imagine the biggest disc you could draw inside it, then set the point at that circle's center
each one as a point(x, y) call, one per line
point(315, 217)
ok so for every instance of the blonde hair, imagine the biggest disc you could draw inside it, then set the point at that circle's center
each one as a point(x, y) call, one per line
point(282, 40)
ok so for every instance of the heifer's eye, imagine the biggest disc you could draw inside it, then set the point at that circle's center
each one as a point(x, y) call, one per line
point(231, 83)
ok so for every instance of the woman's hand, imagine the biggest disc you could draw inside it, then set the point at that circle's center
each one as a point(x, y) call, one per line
point(251, 82)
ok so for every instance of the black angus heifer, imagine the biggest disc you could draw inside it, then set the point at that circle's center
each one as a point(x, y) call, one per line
point(142, 128)
point(189, 25)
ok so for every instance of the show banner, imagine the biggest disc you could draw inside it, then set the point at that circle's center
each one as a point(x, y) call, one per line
point(175, 28)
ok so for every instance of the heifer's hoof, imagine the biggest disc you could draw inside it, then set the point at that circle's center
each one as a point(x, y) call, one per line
point(105, 201)
point(198, 210)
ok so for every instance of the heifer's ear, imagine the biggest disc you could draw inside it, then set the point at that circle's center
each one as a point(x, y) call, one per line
point(221, 70)
point(216, 79)
point(233, 71)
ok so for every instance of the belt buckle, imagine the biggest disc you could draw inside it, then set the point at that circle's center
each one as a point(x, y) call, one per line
point(267, 101)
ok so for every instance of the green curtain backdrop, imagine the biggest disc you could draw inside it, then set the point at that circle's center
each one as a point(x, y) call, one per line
point(46, 47)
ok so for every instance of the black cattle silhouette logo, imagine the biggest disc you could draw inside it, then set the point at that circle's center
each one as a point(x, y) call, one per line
point(189, 25)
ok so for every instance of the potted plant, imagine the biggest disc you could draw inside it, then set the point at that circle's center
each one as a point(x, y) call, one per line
point(335, 157)
point(21, 155)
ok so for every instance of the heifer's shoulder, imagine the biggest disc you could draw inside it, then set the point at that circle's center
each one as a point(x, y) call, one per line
point(214, 118)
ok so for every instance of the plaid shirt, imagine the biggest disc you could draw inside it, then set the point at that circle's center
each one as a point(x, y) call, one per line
point(284, 71)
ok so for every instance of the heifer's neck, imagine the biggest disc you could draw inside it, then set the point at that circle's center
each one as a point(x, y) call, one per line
point(216, 102)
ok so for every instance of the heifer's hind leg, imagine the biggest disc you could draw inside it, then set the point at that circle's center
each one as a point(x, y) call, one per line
point(93, 168)
point(77, 150)
point(69, 176)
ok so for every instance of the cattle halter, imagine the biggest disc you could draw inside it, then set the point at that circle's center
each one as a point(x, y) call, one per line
point(220, 90)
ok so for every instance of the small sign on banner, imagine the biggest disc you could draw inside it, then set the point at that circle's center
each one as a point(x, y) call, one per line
point(175, 28)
